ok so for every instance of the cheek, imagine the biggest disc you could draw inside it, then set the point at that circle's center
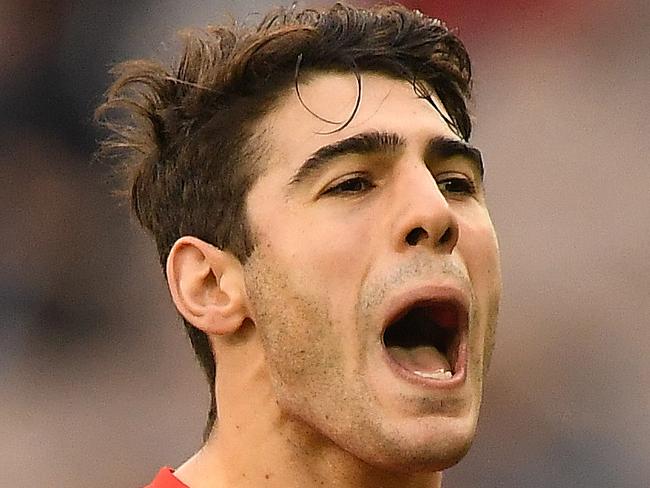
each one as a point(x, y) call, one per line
point(480, 250)
point(318, 271)
point(328, 256)
point(295, 329)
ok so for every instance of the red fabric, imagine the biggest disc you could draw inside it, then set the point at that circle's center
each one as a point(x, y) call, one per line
point(166, 479)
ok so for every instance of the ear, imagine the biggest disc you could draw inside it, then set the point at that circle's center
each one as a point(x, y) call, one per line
point(207, 286)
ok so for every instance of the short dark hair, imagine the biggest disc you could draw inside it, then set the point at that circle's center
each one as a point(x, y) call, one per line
point(187, 138)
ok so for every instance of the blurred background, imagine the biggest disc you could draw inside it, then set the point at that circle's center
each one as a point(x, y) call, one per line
point(98, 386)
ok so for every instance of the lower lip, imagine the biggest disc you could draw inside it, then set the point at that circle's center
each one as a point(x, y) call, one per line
point(457, 380)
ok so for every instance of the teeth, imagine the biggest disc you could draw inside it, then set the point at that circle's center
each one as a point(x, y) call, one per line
point(439, 374)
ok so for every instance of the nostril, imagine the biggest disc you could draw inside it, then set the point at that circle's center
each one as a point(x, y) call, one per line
point(447, 236)
point(416, 235)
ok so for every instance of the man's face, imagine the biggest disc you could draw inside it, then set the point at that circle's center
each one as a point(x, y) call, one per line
point(375, 280)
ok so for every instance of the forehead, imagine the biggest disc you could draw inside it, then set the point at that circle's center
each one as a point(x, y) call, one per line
point(299, 126)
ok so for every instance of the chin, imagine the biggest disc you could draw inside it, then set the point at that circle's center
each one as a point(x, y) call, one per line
point(418, 462)
point(419, 448)
point(429, 458)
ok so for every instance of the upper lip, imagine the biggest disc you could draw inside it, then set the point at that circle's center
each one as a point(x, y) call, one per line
point(421, 296)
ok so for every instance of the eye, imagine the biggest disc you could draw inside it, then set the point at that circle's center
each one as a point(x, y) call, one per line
point(457, 185)
point(350, 186)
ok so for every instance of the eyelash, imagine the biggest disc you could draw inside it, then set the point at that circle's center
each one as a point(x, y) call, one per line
point(344, 187)
point(350, 186)
point(467, 186)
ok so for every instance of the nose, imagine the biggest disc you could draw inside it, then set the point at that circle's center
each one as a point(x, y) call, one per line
point(423, 216)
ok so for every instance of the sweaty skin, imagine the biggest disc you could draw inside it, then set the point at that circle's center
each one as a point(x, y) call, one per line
point(305, 394)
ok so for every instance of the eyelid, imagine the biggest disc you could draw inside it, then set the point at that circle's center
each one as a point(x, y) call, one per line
point(457, 165)
point(447, 175)
point(459, 173)
point(473, 186)
point(335, 184)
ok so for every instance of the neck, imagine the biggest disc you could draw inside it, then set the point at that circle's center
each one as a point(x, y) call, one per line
point(234, 458)
point(255, 444)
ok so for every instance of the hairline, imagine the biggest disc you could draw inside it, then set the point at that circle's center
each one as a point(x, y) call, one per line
point(261, 129)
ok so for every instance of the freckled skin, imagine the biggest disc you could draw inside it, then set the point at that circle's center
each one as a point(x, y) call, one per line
point(323, 267)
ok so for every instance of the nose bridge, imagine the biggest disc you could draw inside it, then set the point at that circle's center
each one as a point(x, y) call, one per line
point(423, 216)
point(422, 184)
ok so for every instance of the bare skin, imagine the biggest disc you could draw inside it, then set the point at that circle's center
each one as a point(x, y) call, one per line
point(307, 394)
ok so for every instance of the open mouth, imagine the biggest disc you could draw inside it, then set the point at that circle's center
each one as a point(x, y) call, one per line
point(425, 339)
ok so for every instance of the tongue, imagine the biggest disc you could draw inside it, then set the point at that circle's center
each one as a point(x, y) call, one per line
point(425, 359)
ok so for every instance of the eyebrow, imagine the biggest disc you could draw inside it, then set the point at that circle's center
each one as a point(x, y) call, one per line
point(442, 148)
point(375, 142)
point(364, 144)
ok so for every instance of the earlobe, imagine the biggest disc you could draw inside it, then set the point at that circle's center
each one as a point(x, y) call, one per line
point(207, 286)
